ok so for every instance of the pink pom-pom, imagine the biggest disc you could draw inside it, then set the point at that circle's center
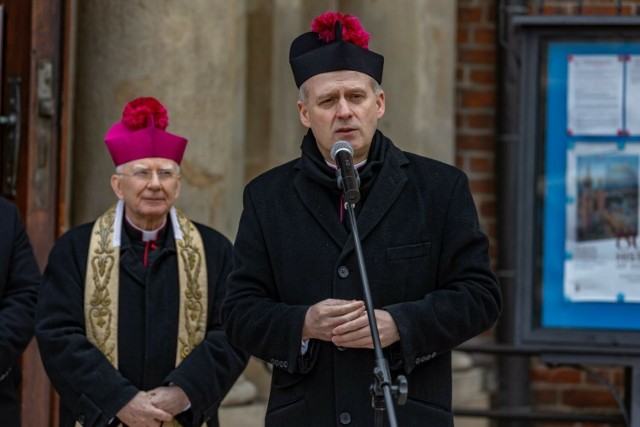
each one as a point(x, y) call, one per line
point(352, 30)
point(136, 114)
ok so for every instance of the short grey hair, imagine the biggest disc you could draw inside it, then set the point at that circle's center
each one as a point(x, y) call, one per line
point(303, 91)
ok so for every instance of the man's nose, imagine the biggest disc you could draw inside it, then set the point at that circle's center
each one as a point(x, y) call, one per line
point(154, 180)
point(344, 110)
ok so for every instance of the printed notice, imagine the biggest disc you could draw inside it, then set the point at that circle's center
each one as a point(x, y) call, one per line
point(602, 261)
point(633, 95)
point(595, 94)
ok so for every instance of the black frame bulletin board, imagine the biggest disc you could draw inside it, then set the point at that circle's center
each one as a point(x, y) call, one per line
point(578, 251)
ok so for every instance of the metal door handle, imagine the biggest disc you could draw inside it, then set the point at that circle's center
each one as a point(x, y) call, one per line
point(11, 139)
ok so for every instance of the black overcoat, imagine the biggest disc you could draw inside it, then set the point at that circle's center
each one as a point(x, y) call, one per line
point(427, 264)
point(19, 282)
point(91, 389)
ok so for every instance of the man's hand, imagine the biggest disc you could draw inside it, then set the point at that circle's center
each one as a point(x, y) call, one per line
point(140, 412)
point(171, 399)
point(357, 334)
point(322, 318)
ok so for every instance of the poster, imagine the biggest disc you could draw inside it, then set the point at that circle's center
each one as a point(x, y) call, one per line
point(602, 250)
point(595, 94)
point(632, 83)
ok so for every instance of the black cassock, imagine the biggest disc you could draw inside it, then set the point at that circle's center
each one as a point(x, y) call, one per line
point(91, 390)
point(19, 281)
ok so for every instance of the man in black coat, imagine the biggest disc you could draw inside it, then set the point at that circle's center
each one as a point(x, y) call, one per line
point(128, 320)
point(295, 295)
point(19, 282)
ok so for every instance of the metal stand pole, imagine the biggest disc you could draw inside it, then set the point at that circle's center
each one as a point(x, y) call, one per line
point(382, 377)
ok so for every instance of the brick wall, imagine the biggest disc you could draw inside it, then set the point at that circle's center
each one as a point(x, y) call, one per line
point(552, 388)
point(475, 106)
point(569, 389)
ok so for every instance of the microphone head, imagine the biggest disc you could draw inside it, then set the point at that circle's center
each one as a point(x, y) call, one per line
point(339, 146)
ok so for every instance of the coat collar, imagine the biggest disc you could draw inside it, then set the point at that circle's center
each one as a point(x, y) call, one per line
point(324, 205)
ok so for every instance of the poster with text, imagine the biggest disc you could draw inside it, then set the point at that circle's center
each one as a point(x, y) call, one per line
point(632, 86)
point(595, 94)
point(602, 252)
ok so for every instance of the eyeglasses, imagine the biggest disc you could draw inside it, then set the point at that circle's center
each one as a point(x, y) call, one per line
point(146, 175)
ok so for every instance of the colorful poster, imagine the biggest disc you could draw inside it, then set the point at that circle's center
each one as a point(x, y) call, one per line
point(602, 261)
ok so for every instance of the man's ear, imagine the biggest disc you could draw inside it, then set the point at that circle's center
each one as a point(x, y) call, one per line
point(304, 114)
point(178, 186)
point(116, 185)
point(381, 104)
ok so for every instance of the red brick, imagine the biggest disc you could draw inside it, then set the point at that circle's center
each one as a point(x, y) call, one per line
point(547, 396)
point(491, 230)
point(554, 10)
point(469, 14)
point(493, 249)
point(460, 73)
point(491, 12)
point(588, 398)
point(480, 121)
point(483, 76)
point(605, 10)
point(478, 99)
point(542, 374)
point(484, 36)
point(475, 142)
point(488, 208)
point(605, 373)
point(482, 186)
point(618, 378)
point(462, 35)
point(480, 164)
point(468, 55)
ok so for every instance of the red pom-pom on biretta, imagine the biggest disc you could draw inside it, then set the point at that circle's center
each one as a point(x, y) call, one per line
point(136, 114)
point(352, 31)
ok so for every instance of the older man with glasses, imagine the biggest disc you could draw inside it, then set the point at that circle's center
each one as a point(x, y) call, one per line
point(128, 317)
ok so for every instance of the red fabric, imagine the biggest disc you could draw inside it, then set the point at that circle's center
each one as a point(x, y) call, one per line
point(137, 113)
point(352, 30)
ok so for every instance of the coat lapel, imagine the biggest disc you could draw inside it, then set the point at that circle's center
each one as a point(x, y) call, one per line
point(385, 190)
point(322, 207)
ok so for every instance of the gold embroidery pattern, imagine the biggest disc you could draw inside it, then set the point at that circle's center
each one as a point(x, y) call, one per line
point(102, 281)
point(194, 308)
point(100, 316)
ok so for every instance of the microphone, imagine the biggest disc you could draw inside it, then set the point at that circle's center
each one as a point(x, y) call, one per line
point(348, 179)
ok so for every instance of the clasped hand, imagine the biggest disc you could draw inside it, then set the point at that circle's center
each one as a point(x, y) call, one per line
point(345, 324)
point(152, 408)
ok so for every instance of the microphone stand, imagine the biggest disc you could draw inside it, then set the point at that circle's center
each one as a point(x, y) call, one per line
point(382, 386)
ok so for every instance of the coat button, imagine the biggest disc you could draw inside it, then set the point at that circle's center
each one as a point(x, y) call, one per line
point(82, 420)
point(343, 272)
point(345, 418)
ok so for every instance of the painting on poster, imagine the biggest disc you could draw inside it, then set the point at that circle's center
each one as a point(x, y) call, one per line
point(602, 261)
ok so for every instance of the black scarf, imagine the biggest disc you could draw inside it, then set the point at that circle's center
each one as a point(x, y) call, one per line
point(314, 166)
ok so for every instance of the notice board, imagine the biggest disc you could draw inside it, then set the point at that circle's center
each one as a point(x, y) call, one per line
point(578, 268)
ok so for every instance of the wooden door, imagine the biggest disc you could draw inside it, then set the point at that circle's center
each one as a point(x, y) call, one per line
point(32, 83)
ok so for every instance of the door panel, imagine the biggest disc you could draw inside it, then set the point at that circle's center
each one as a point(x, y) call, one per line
point(33, 51)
